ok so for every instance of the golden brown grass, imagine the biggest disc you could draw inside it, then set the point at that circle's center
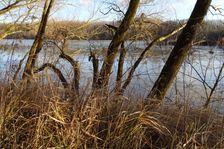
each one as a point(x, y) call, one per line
point(39, 117)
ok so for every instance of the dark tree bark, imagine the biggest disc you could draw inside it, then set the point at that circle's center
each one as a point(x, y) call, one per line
point(38, 42)
point(115, 43)
point(120, 68)
point(95, 63)
point(120, 62)
point(179, 53)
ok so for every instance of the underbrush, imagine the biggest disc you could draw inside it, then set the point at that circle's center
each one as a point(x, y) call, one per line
point(41, 117)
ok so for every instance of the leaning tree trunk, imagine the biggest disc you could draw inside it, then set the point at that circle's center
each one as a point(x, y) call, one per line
point(38, 42)
point(120, 62)
point(142, 55)
point(179, 53)
point(115, 43)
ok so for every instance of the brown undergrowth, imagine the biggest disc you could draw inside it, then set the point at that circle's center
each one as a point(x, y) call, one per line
point(44, 117)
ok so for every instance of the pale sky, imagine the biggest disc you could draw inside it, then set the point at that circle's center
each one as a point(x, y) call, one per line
point(167, 9)
point(83, 10)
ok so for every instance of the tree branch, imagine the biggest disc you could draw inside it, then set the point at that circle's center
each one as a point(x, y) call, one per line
point(56, 71)
point(136, 64)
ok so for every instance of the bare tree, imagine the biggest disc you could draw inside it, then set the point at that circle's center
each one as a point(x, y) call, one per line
point(120, 67)
point(179, 52)
point(38, 42)
point(218, 79)
point(209, 89)
point(115, 43)
point(142, 55)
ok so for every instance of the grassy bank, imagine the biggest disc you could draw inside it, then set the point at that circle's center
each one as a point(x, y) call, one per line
point(39, 117)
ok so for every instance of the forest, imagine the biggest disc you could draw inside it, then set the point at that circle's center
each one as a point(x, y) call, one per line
point(138, 81)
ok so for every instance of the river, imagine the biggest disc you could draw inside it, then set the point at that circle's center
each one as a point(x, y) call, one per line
point(203, 64)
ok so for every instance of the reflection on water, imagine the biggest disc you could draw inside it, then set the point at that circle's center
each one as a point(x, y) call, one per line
point(188, 84)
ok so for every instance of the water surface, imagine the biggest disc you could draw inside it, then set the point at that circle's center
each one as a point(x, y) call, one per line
point(203, 64)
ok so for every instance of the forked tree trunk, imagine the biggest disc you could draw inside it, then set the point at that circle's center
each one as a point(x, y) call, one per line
point(120, 62)
point(179, 53)
point(115, 43)
point(38, 42)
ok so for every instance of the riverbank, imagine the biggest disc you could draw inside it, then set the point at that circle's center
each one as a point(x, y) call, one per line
point(210, 33)
point(39, 116)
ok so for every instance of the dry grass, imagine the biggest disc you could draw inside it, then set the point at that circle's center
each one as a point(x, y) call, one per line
point(38, 117)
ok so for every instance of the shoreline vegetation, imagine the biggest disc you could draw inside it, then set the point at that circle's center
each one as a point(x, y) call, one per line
point(40, 116)
point(44, 105)
point(210, 33)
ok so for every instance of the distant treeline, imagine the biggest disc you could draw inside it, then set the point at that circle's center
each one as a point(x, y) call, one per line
point(210, 33)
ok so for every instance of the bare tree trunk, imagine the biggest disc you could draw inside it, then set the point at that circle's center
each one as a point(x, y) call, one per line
point(179, 52)
point(38, 42)
point(142, 55)
point(120, 68)
point(120, 63)
point(115, 43)
point(95, 63)
point(19, 67)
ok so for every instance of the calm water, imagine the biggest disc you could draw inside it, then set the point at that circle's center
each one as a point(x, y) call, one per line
point(187, 85)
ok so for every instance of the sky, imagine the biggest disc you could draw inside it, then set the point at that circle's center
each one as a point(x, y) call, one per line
point(165, 9)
